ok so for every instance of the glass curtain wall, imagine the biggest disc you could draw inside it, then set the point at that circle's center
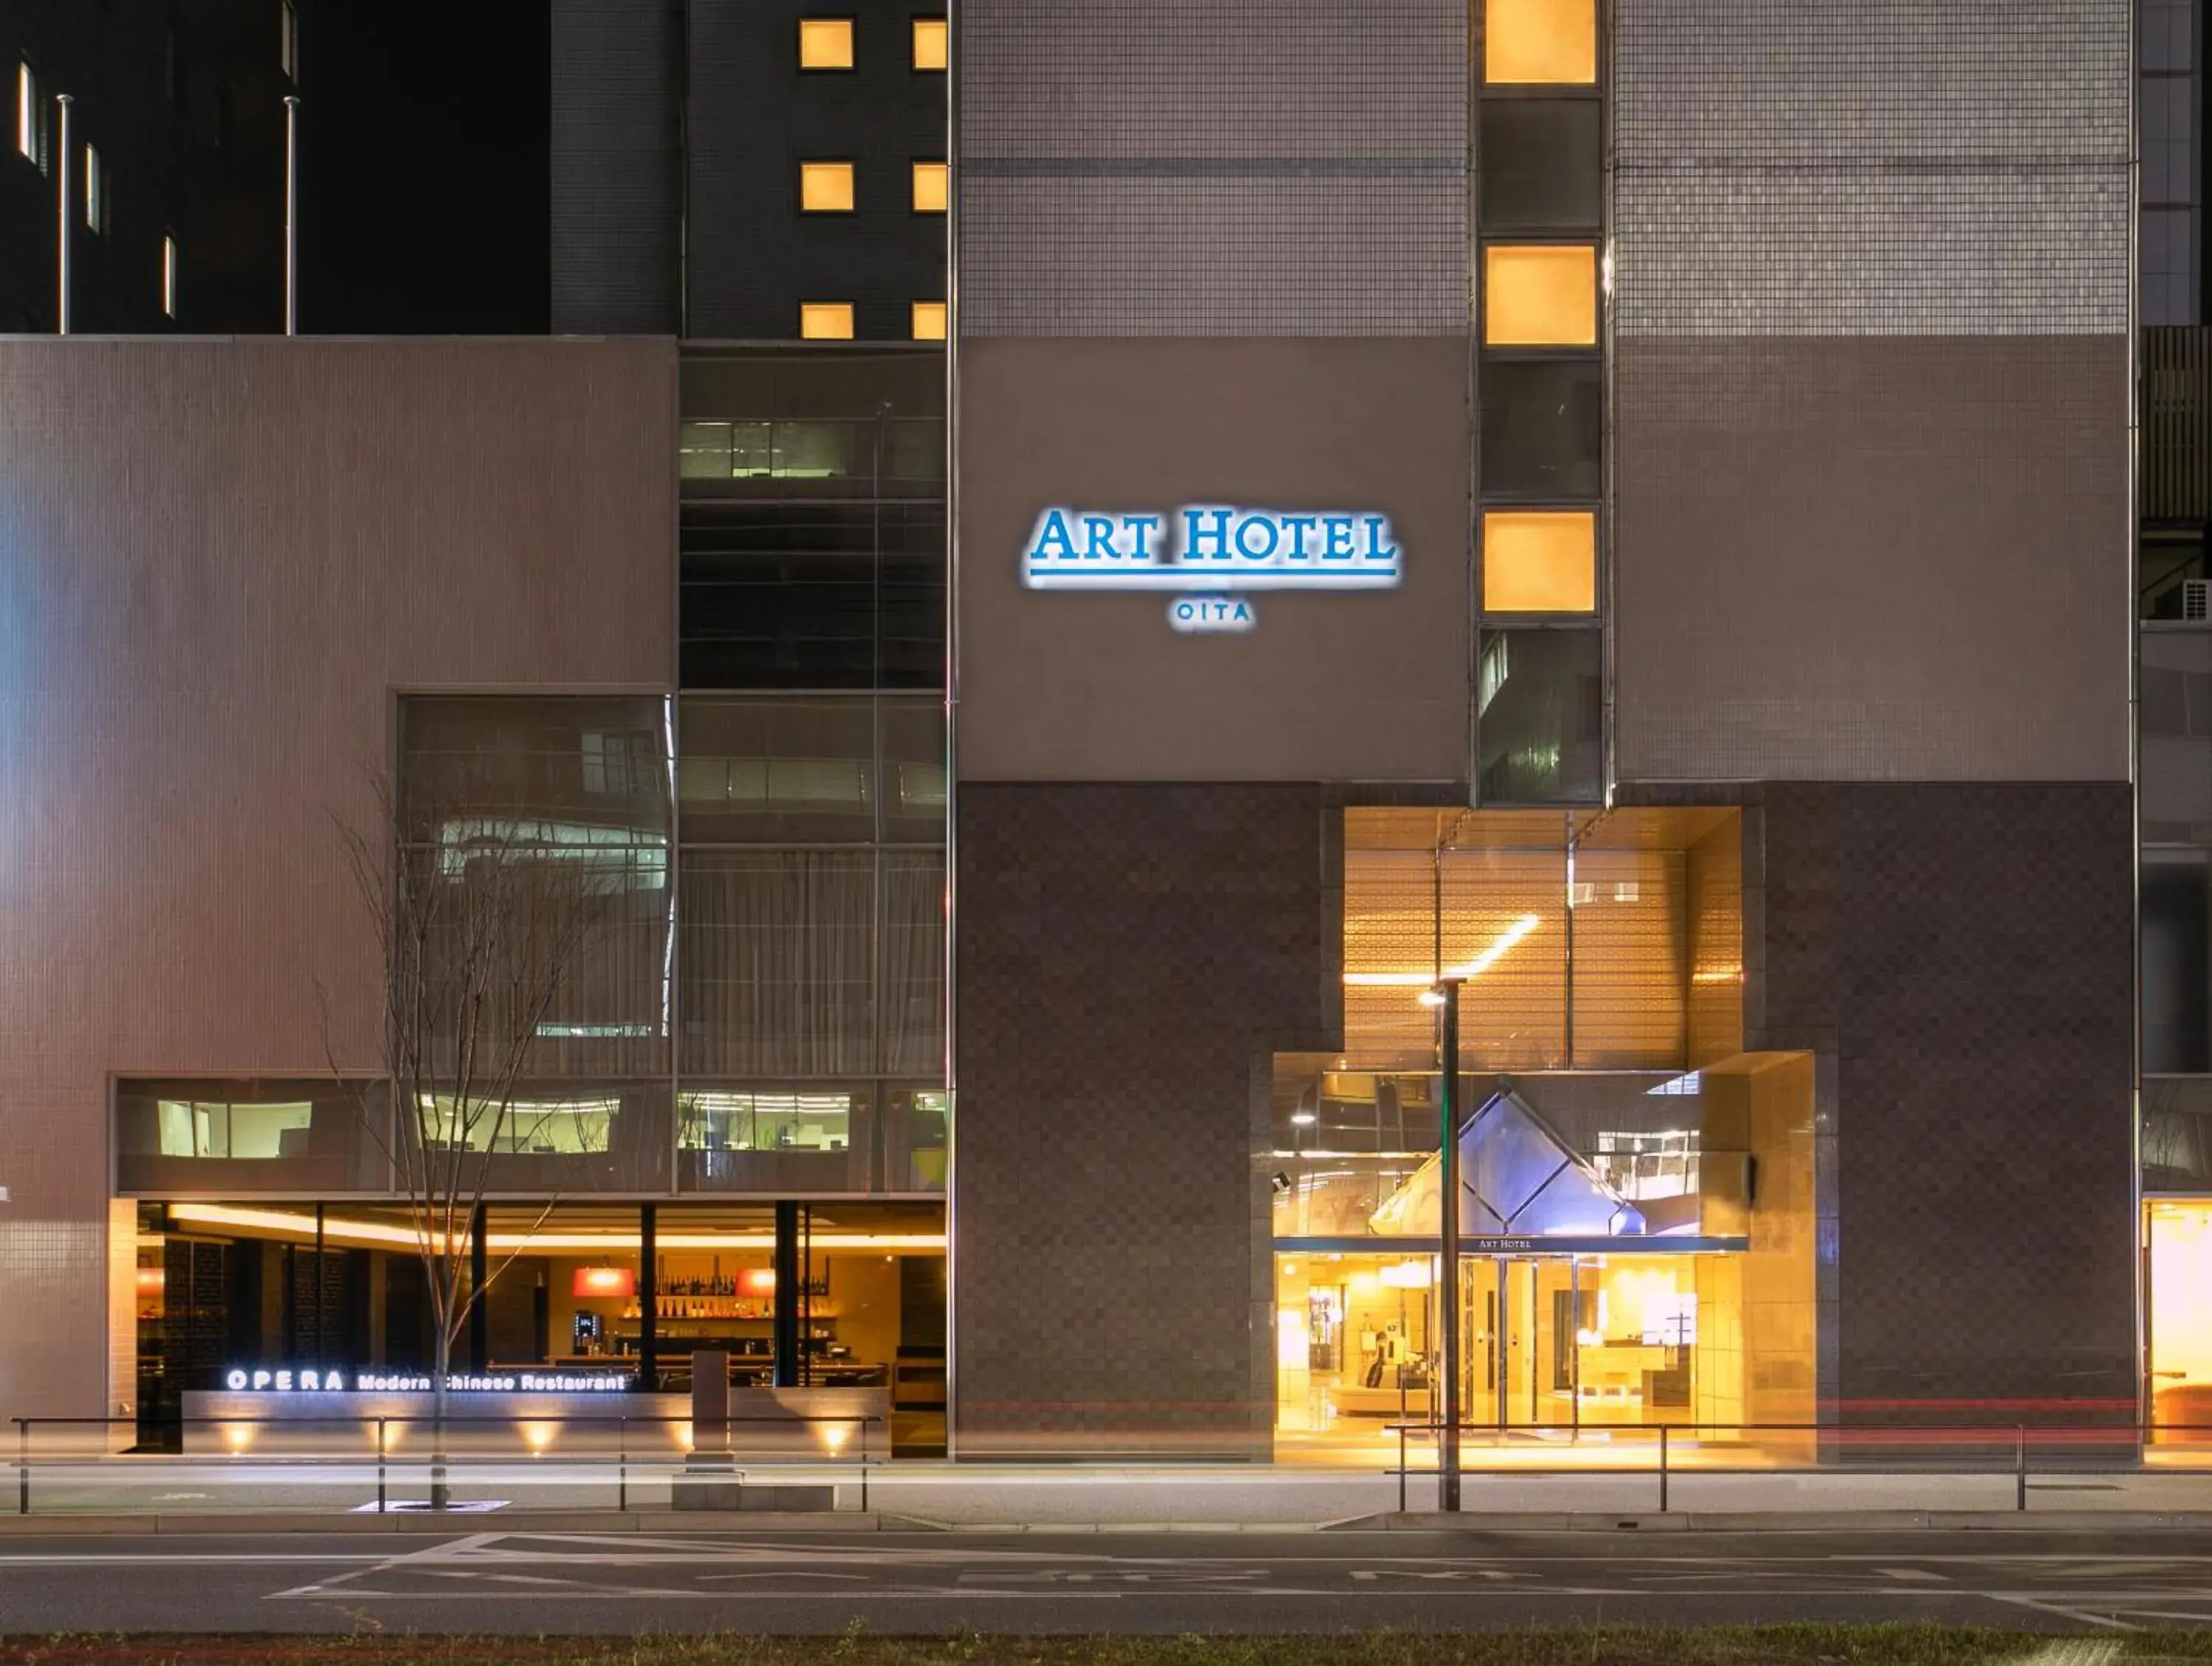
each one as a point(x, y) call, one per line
point(811, 941)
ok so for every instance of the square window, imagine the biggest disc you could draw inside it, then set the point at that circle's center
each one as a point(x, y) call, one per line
point(825, 321)
point(933, 187)
point(929, 320)
point(825, 187)
point(1539, 560)
point(933, 44)
point(1542, 165)
point(1542, 428)
point(825, 43)
point(1539, 42)
point(1539, 295)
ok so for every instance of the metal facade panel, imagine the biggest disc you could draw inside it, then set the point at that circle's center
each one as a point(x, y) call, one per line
point(220, 561)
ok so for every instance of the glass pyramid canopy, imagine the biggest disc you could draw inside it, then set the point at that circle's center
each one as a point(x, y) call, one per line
point(1517, 1179)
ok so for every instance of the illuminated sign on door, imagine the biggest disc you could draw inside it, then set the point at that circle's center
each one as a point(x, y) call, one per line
point(1213, 556)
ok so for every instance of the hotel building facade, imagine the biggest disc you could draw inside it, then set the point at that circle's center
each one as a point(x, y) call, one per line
point(1627, 508)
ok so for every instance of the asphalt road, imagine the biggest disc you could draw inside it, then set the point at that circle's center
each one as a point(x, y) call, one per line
point(517, 1581)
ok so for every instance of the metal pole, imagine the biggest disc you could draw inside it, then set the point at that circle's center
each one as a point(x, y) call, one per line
point(62, 206)
point(621, 1480)
point(1662, 1469)
point(2020, 1468)
point(1401, 1467)
point(1448, 1221)
point(291, 215)
point(381, 1444)
point(864, 1466)
point(22, 1466)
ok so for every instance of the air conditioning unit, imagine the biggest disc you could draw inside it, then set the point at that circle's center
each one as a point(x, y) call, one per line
point(2197, 599)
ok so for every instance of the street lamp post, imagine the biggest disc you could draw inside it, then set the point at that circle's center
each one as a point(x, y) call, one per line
point(1445, 997)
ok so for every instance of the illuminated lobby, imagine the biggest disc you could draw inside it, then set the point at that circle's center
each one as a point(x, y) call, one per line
point(1637, 1208)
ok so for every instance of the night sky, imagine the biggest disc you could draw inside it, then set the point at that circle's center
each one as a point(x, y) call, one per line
point(424, 167)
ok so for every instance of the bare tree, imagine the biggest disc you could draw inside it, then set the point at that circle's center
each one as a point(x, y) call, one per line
point(484, 920)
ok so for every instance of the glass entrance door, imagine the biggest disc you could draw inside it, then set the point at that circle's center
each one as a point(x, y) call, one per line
point(1521, 1319)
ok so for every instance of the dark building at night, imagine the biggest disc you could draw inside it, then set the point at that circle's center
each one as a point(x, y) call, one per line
point(1628, 512)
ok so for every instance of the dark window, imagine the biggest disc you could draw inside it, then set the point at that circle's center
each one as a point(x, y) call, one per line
point(822, 595)
point(1542, 424)
point(195, 1134)
point(1541, 165)
point(1539, 715)
point(2177, 970)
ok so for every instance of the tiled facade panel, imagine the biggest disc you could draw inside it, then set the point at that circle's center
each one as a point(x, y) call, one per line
point(1141, 166)
point(1960, 958)
point(1276, 254)
point(219, 560)
point(1892, 167)
point(1867, 559)
point(1129, 957)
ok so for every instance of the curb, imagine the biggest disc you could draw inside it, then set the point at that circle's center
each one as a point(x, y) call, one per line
point(1809, 1521)
point(423, 1521)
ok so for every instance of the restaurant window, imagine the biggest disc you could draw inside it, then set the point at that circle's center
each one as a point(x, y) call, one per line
point(825, 43)
point(826, 188)
point(932, 187)
point(1539, 42)
point(1539, 295)
point(933, 44)
point(1539, 560)
point(1539, 715)
point(192, 1134)
point(929, 320)
point(825, 321)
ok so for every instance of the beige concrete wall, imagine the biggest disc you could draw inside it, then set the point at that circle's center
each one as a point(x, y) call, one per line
point(1077, 685)
point(218, 561)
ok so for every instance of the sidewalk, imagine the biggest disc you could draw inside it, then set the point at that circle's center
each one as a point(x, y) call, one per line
point(1015, 1497)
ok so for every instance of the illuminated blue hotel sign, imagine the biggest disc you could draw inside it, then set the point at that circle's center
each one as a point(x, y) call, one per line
point(1213, 556)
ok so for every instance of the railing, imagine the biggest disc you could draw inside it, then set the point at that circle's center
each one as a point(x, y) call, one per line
point(444, 1466)
point(1947, 1449)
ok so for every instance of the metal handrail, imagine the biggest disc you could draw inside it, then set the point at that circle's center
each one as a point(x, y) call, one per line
point(621, 1422)
point(2014, 1439)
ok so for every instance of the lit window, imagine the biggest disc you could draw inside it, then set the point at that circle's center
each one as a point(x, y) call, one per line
point(1548, 42)
point(933, 187)
point(825, 187)
point(1537, 562)
point(1535, 296)
point(95, 190)
point(169, 276)
point(932, 47)
point(30, 113)
point(825, 320)
point(290, 45)
point(825, 43)
point(929, 320)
